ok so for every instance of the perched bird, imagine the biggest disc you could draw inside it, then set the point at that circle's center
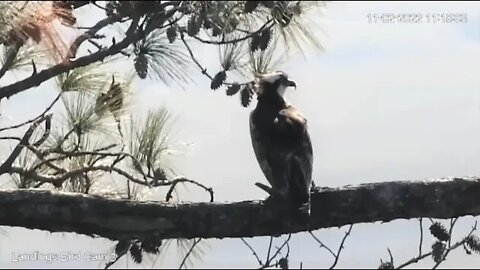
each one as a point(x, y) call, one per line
point(281, 141)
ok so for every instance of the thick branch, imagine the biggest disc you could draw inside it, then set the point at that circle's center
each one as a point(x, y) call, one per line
point(121, 219)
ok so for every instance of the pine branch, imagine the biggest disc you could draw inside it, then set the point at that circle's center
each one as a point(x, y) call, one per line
point(132, 35)
point(91, 33)
point(6, 165)
point(10, 58)
point(119, 219)
point(268, 24)
point(447, 251)
point(337, 255)
point(36, 118)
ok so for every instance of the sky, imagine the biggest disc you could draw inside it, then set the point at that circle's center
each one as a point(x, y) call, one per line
point(384, 102)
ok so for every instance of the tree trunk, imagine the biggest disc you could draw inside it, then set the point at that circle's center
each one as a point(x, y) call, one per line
point(123, 219)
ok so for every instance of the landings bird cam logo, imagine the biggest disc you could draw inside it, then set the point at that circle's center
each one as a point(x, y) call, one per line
point(64, 256)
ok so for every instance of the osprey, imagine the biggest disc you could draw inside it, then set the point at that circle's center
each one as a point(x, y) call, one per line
point(281, 141)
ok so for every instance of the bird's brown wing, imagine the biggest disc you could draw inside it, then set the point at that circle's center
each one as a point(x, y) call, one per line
point(297, 152)
point(284, 152)
point(261, 145)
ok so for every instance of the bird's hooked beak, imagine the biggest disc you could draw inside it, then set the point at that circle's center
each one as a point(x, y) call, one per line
point(292, 83)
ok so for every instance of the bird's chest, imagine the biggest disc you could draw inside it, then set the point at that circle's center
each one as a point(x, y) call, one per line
point(265, 132)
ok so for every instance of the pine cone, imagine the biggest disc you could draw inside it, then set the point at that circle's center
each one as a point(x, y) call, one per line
point(283, 263)
point(115, 97)
point(438, 248)
point(101, 104)
point(264, 39)
point(246, 95)
point(151, 247)
point(218, 80)
point(193, 26)
point(136, 253)
point(473, 243)
point(171, 33)
point(255, 42)
point(439, 231)
point(233, 89)
point(141, 65)
point(122, 247)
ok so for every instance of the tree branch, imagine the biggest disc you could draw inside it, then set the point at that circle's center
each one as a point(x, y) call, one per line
point(337, 256)
point(202, 69)
point(36, 118)
point(195, 243)
point(132, 36)
point(118, 219)
point(448, 250)
point(6, 165)
point(90, 33)
point(46, 74)
point(253, 251)
point(10, 58)
point(268, 24)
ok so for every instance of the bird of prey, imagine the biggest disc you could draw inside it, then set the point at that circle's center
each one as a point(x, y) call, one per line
point(281, 141)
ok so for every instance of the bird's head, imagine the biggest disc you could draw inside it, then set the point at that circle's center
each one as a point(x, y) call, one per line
point(273, 83)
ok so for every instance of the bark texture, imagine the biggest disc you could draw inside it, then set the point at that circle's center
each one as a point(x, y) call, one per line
point(123, 219)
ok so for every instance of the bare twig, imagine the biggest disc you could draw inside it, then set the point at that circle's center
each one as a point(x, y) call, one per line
point(322, 245)
point(11, 138)
point(447, 251)
point(421, 237)
point(269, 249)
point(391, 256)
point(337, 256)
point(414, 260)
point(36, 118)
point(202, 69)
point(41, 156)
point(452, 224)
point(279, 249)
point(97, 152)
point(253, 251)
point(6, 166)
point(46, 134)
point(91, 33)
point(10, 58)
point(195, 243)
point(98, 6)
point(57, 180)
point(174, 182)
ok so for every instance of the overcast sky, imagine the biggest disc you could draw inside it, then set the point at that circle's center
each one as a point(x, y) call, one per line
point(384, 102)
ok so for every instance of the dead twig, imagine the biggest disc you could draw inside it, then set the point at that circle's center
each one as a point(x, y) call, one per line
point(337, 256)
point(195, 243)
point(252, 250)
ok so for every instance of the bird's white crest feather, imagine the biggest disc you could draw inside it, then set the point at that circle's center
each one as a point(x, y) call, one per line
point(272, 77)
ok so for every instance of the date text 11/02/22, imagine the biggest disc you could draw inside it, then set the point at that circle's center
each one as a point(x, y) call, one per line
point(415, 18)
